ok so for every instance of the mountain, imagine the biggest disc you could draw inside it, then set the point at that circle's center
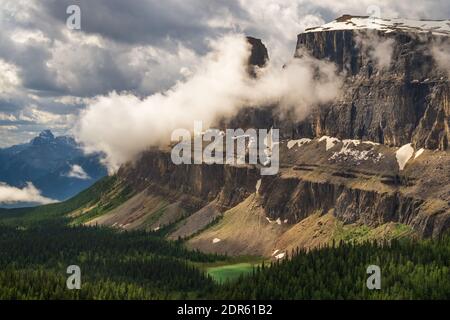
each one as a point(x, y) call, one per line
point(372, 165)
point(54, 165)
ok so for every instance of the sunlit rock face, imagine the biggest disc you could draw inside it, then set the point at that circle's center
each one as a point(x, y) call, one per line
point(376, 155)
point(394, 90)
point(394, 96)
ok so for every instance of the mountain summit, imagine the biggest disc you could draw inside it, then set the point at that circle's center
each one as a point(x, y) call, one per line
point(372, 164)
point(54, 165)
point(349, 22)
point(376, 159)
point(46, 134)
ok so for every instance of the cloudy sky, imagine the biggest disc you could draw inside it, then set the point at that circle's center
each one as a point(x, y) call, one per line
point(49, 73)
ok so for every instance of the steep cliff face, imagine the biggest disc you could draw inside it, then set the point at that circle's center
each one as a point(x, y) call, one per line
point(295, 199)
point(394, 92)
point(357, 182)
point(258, 55)
point(228, 185)
point(349, 173)
point(393, 96)
point(433, 130)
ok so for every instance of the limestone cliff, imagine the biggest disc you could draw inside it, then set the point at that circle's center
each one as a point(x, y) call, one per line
point(347, 173)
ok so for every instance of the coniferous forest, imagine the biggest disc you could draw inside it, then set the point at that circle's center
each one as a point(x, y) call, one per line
point(142, 265)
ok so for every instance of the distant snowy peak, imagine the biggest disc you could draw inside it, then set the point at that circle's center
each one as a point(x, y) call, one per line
point(47, 137)
point(348, 22)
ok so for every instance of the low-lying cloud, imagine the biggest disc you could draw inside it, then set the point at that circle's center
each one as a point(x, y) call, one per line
point(441, 54)
point(28, 194)
point(123, 125)
point(78, 172)
point(379, 49)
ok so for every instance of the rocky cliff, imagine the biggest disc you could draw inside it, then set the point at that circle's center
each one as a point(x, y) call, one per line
point(357, 182)
point(342, 167)
point(394, 92)
point(405, 100)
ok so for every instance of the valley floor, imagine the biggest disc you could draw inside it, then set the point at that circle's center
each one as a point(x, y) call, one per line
point(142, 265)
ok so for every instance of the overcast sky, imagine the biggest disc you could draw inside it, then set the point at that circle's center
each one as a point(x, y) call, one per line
point(48, 73)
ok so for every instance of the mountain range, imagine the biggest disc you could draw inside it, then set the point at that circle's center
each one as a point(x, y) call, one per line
point(56, 166)
point(372, 164)
point(362, 180)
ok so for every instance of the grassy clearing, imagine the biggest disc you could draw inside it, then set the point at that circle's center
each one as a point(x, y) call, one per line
point(229, 273)
point(231, 268)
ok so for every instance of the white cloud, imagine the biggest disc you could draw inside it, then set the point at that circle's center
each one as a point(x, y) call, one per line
point(7, 117)
point(9, 78)
point(441, 53)
point(32, 113)
point(7, 128)
point(73, 100)
point(41, 61)
point(28, 194)
point(382, 53)
point(123, 125)
point(278, 22)
point(26, 36)
point(108, 65)
point(380, 50)
point(78, 172)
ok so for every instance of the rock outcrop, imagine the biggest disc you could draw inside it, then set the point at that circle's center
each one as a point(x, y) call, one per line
point(258, 55)
point(360, 183)
point(394, 92)
point(402, 101)
point(348, 170)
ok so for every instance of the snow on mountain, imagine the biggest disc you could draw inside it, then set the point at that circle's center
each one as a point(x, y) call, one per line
point(55, 166)
point(404, 154)
point(348, 22)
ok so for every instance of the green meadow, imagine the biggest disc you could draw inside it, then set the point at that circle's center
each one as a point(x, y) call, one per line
point(231, 272)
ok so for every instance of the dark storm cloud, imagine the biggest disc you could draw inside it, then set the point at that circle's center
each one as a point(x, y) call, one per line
point(31, 60)
point(142, 46)
point(162, 24)
point(148, 21)
point(9, 106)
point(123, 25)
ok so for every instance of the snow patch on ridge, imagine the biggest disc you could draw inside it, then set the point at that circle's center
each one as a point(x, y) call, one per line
point(331, 142)
point(348, 152)
point(258, 185)
point(299, 143)
point(419, 153)
point(371, 143)
point(403, 155)
point(280, 256)
point(385, 25)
